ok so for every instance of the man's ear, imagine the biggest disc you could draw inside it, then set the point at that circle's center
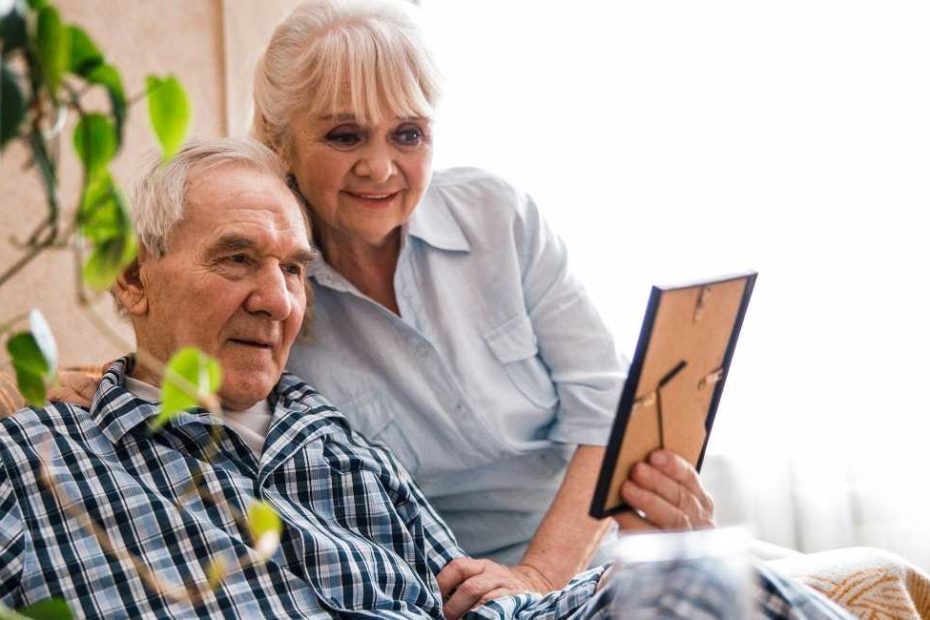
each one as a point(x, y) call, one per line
point(130, 288)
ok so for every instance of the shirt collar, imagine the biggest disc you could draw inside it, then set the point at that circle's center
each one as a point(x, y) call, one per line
point(117, 411)
point(434, 223)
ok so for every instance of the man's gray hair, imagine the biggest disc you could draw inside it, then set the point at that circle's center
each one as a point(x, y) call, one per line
point(159, 195)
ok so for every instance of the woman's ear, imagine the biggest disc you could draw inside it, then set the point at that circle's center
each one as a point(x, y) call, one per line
point(130, 288)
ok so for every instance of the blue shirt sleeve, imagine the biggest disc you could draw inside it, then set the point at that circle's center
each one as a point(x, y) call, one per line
point(12, 545)
point(573, 341)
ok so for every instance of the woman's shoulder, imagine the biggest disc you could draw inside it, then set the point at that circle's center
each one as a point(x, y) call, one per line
point(476, 193)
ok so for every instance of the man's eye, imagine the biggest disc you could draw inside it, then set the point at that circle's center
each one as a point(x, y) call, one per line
point(293, 269)
point(238, 259)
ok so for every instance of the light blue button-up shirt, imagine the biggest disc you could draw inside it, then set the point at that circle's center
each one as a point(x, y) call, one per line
point(496, 368)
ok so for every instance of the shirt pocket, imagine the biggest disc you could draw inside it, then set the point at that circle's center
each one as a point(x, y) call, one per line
point(369, 415)
point(514, 345)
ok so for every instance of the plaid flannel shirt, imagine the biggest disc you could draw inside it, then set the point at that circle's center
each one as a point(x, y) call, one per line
point(359, 538)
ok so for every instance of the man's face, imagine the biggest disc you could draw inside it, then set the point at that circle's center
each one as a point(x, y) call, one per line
point(232, 282)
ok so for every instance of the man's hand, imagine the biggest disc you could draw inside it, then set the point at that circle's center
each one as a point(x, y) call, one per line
point(74, 388)
point(467, 583)
point(668, 493)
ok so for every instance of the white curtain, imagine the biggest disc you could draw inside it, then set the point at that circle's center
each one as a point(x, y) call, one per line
point(671, 140)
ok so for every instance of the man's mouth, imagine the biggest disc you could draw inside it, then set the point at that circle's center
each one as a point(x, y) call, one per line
point(258, 344)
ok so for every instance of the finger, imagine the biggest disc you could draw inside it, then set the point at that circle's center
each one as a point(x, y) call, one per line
point(494, 595)
point(630, 521)
point(654, 507)
point(455, 572)
point(651, 479)
point(74, 387)
point(469, 593)
point(681, 471)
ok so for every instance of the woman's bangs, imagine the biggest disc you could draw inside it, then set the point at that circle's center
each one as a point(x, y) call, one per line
point(368, 74)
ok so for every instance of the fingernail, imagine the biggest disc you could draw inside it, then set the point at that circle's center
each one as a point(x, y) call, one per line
point(659, 458)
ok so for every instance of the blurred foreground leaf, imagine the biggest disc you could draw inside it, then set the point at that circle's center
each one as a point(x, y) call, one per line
point(95, 142)
point(265, 528)
point(12, 30)
point(191, 376)
point(108, 77)
point(12, 105)
point(84, 55)
point(54, 46)
point(35, 359)
point(169, 112)
point(50, 609)
point(104, 220)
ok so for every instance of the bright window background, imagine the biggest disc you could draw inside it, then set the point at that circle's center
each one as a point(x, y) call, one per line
point(666, 141)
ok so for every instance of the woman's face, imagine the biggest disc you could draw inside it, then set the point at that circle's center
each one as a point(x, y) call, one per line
point(362, 181)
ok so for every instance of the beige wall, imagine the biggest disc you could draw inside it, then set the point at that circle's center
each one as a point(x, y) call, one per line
point(211, 45)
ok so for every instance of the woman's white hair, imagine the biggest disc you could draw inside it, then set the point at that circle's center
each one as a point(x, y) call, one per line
point(159, 195)
point(370, 50)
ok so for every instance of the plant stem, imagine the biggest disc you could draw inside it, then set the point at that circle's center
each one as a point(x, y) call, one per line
point(24, 260)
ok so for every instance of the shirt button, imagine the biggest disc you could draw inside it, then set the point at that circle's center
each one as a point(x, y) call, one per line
point(423, 351)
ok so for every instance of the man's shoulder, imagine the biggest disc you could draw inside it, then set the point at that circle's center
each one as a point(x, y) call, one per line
point(32, 425)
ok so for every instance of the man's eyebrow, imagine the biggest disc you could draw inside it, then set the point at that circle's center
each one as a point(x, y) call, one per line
point(305, 256)
point(237, 243)
point(231, 243)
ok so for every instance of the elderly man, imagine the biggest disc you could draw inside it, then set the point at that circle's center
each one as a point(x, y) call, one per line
point(121, 521)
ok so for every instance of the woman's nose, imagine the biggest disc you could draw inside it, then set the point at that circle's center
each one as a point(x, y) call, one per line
point(376, 163)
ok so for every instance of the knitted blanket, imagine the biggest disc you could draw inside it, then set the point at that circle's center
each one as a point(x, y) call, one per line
point(870, 583)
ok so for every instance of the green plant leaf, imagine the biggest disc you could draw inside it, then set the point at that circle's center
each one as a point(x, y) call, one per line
point(84, 56)
point(32, 369)
point(95, 142)
point(189, 370)
point(169, 112)
point(37, 5)
point(108, 77)
point(53, 45)
point(12, 30)
point(49, 609)
point(8, 614)
point(26, 354)
point(98, 191)
point(265, 528)
point(104, 220)
point(12, 105)
point(108, 260)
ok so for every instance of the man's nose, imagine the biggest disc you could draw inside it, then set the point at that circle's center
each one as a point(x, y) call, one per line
point(270, 295)
point(376, 162)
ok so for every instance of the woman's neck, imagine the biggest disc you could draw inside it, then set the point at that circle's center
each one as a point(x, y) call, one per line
point(370, 268)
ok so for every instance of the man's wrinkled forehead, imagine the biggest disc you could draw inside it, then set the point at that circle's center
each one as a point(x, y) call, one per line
point(211, 192)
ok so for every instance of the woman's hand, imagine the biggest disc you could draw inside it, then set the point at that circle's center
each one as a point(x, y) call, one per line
point(74, 388)
point(668, 493)
point(468, 582)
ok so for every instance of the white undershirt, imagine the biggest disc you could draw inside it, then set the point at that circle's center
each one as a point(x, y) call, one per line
point(250, 424)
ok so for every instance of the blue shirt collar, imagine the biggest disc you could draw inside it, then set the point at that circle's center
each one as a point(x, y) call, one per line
point(434, 223)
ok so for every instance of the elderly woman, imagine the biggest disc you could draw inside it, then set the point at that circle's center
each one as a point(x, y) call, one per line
point(447, 324)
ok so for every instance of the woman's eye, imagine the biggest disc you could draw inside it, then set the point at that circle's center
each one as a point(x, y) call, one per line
point(343, 139)
point(409, 136)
